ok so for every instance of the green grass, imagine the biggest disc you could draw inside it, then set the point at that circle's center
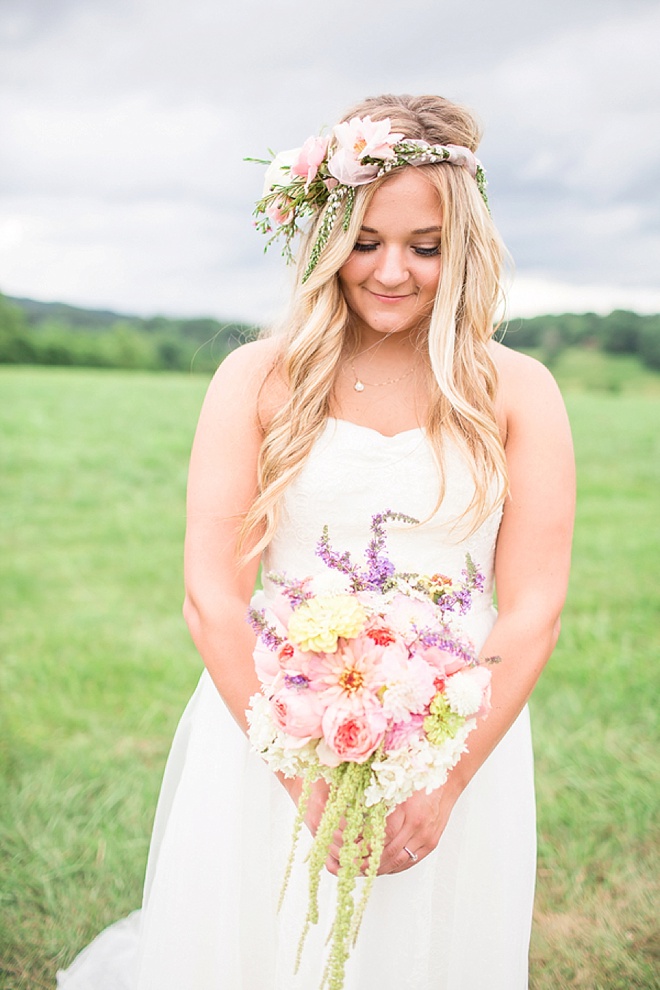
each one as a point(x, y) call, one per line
point(591, 370)
point(97, 666)
point(96, 662)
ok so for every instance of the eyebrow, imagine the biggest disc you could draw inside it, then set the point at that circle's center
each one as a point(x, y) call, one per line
point(422, 230)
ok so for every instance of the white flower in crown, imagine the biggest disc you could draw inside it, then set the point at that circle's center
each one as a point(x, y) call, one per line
point(278, 172)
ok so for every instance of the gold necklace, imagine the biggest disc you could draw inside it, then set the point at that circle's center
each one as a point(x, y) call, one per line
point(359, 384)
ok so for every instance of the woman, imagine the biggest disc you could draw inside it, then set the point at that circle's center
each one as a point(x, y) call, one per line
point(382, 390)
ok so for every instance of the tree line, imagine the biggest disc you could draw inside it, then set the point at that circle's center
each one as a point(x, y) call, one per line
point(32, 332)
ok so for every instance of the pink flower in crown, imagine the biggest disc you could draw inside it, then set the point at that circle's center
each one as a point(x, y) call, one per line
point(344, 167)
point(352, 736)
point(363, 137)
point(309, 158)
point(357, 139)
point(279, 211)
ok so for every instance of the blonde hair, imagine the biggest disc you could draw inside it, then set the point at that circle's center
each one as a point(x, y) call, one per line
point(318, 331)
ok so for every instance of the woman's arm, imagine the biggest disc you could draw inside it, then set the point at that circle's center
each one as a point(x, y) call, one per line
point(531, 571)
point(222, 485)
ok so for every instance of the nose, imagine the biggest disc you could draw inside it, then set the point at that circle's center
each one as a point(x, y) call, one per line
point(391, 269)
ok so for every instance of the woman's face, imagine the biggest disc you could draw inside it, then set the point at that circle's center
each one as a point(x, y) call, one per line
point(391, 277)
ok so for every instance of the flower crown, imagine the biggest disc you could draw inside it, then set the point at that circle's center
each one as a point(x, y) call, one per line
point(326, 171)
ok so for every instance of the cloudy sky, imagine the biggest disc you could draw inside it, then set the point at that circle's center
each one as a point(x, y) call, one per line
point(124, 124)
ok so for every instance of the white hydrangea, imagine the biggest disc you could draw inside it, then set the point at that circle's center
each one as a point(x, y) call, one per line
point(281, 751)
point(420, 766)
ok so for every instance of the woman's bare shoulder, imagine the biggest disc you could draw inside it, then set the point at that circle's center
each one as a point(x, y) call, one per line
point(249, 380)
point(522, 378)
point(527, 391)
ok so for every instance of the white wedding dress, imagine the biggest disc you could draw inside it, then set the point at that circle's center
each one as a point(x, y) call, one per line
point(458, 920)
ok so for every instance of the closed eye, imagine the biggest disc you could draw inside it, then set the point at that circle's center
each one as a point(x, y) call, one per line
point(423, 252)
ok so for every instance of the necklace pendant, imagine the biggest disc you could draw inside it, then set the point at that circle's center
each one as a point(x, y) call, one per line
point(359, 387)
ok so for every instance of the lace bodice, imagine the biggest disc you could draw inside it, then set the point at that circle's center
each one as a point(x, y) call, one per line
point(354, 472)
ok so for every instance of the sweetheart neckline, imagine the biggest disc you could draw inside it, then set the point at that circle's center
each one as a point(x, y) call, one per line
point(371, 429)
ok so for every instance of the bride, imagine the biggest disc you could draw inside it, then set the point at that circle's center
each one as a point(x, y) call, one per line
point(382, 389)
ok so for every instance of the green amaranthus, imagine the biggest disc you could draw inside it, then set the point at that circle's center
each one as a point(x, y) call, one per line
point(363, 841)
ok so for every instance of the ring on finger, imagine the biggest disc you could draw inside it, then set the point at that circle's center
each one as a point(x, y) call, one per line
point(414, 857)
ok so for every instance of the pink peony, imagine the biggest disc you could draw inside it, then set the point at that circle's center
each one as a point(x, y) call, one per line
point(443, 662)
point(347, 170)
point(309, 158)
point(297, 712)
point(364, 137)
point(405, 614)
point(351, 737)
point(266, 663)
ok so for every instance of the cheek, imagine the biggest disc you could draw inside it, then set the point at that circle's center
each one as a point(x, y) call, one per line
point(354, 271)
point(430, 280)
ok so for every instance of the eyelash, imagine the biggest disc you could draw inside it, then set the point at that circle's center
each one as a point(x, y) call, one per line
point(422, 252)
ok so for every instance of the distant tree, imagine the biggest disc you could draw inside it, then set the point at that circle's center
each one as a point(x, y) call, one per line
point(649, 342)
point(620, 332)
point(15, 344)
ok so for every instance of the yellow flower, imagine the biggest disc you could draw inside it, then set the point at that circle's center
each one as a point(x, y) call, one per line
point(317, 624)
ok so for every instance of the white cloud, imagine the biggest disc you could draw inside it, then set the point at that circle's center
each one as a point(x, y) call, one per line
point(125, 124)
point(532, 295)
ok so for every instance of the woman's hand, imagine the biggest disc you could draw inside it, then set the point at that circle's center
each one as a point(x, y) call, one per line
point(415, 825)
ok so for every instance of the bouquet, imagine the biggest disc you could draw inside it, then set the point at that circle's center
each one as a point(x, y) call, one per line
point(368, 684)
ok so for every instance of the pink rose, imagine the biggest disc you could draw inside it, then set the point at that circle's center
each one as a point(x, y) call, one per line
point(351, 737)
point(309, 158)
point(297, 712)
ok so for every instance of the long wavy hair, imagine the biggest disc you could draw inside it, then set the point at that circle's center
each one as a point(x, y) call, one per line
point(318, 332)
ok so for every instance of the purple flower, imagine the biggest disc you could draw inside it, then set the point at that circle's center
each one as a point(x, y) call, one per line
point(263, 628)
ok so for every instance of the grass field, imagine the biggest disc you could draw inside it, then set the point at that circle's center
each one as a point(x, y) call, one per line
point(97, 666)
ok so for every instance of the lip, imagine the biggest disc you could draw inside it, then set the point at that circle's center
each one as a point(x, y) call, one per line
point(388, 300)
